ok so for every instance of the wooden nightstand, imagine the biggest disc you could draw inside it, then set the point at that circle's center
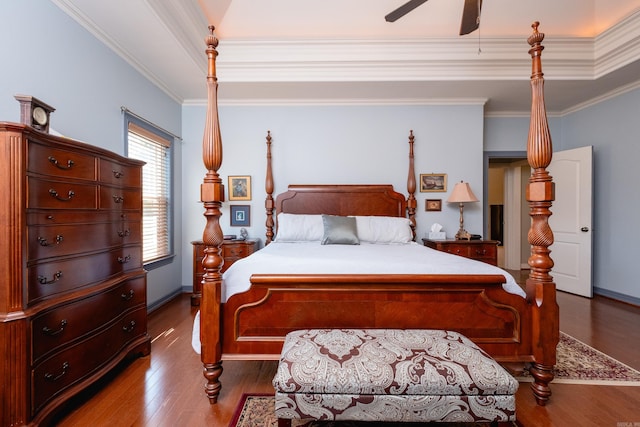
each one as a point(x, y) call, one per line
point(481, 250)
point(232, 250)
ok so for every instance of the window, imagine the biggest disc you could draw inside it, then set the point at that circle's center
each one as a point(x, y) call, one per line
point(153, 146)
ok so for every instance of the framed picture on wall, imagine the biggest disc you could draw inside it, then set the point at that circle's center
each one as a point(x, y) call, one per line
point(240, 187)
point(436, 182)
point(240, 215)
point(433, 205)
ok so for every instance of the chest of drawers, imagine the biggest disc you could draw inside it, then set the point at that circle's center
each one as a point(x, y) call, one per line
point(481, 250)
point(232, 250)
point(73, 294)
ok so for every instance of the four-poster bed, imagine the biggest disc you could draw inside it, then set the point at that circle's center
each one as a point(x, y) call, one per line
point(514, 329)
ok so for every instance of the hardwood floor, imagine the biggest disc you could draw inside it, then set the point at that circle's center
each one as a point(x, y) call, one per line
point(166, 388)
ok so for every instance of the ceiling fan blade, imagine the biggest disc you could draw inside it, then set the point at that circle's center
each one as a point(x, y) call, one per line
point(403, 10)
point(470, 16)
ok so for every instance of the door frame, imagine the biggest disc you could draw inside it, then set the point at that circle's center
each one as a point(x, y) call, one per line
point(512, 237)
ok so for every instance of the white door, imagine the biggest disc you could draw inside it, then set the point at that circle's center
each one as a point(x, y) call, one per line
point(571, 220)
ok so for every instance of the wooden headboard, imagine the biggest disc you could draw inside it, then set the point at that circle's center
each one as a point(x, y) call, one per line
point(378, 200)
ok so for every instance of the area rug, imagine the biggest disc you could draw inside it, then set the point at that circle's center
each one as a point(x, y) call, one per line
point(579, 363)
point(257, 410)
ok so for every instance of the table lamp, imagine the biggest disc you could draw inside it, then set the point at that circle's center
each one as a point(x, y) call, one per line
point(462, 194)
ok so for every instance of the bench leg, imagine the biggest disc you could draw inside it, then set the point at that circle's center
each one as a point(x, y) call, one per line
point(283, 422)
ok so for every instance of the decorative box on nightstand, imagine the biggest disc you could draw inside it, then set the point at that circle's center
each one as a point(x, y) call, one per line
point(232, 250)
point(481, 250)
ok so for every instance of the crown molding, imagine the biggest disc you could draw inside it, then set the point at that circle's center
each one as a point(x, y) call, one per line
point(287, 102)
point(379, 60)
point(68, 7)
point(605, 97)
point(617, 46)
point(396, 60)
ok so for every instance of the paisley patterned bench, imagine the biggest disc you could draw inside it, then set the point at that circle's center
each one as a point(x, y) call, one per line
point(390, 375)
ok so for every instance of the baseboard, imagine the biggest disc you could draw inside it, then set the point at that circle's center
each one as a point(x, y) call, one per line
point(617, 296)
point(156, 305)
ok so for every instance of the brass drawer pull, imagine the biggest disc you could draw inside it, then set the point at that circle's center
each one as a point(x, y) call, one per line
point(59, 166)
point(54, 193)
point(117, 174)
point(124, 260)
point(118, 199)
point(124, 233)
point(129, 328)
point(53, 332)
point(43, 241)
point(54, 378)
point(128, 296)
point(56, 276)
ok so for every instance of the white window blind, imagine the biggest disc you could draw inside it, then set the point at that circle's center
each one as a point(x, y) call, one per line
point(156, 186)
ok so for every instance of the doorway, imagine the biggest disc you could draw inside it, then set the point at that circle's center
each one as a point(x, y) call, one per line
point(506, 216)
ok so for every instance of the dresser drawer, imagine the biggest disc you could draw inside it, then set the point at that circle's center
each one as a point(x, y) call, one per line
point(125, 232)
point(119, 174)
point(47, 279)
point(64, 324)
point(50, 217)
point(79, 360)
point(120, 198)
point(69, 239)
point(47, 194)
point(59, 162)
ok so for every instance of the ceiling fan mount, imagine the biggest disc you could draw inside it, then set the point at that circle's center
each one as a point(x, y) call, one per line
point(470, 14)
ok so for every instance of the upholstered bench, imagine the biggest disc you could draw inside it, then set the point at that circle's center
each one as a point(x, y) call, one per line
point(390, 375)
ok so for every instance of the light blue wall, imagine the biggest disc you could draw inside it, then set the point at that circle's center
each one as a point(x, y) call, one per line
point(612, 127)
point(337, 145)
point(510, 133)
point(48, 55)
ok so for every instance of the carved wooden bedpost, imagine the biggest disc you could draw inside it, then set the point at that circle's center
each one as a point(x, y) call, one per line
point(268, 186)
point(541, 290)
point(411, 187)
point(212, 196)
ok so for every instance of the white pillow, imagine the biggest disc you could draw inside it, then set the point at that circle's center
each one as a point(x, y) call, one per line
point(384, 229)
point(299, 228)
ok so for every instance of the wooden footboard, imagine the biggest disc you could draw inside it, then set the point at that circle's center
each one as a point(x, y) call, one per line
point(255, 322)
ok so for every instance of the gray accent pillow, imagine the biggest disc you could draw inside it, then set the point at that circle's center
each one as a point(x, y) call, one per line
point(339, 230)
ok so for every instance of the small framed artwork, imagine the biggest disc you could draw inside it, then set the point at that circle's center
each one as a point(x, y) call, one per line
point(433, 205)
point(240, 187)
point(240, 215)
point(436, 182)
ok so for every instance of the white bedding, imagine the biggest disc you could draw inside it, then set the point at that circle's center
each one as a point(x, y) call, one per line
point(366, 258)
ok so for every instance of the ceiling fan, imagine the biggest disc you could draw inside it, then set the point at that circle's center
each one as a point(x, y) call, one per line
point(470, 14)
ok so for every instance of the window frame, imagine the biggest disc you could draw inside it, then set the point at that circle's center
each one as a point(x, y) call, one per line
point(168, 138)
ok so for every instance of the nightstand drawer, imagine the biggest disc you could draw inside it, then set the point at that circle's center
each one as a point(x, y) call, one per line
point(486, 253)
point(457, 249)
point(480, 250)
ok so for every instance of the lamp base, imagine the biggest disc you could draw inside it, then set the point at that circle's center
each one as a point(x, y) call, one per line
point(463, 234)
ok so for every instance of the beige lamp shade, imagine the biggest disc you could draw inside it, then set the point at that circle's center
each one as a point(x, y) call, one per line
point(462, 194)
